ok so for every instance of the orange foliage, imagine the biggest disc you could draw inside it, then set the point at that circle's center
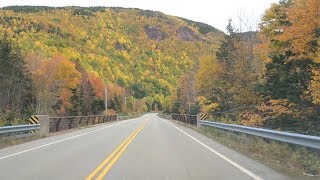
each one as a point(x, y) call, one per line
point(270, 110)
point(53, 80)
point(97, 84)
point(115, 89)
point(305, 19)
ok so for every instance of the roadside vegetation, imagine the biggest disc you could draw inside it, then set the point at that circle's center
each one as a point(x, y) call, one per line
point(268, 78)
point(7, 141)
point(296, 161)
point(282, 156)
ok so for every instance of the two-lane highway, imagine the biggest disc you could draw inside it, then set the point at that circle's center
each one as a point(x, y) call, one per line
point(144, 148)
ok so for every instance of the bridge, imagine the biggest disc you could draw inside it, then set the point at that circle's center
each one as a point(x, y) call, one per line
point(147, 147)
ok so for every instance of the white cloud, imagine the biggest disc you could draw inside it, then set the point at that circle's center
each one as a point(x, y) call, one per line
point(213, 12)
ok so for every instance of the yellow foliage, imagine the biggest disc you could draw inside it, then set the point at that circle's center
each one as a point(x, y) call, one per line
point(305, 18)
point(37, 43)
point(205, 105)
point(280, 107)
point(314, 87)
point(208, 74)
point(67, 74)
point(252, 119)
point(272, 109)
point(210, 107)
point(298, 34)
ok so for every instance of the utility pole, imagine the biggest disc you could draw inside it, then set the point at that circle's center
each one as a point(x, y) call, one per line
point(125, 102)
point(134, 105)
point(106, 98)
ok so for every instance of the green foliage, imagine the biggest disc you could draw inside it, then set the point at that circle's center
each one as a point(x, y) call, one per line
point(82, 12)
point(85, 102)
point(115, 104)
point(203, 28)
point(28, 9)
point(17, 97)
point(287, 80)
point(111, 43)
point(76, 101)
point(98, 106)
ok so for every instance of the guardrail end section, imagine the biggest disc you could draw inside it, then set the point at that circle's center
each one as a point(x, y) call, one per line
point(44, 121)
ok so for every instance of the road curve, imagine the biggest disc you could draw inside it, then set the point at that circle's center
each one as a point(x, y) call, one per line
point(144, 148)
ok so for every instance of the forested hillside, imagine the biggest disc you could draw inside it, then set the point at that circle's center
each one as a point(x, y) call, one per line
point(57, 61)
point(267, 78)
point(66, 56)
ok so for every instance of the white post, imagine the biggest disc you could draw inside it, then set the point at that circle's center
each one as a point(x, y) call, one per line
point(198, 119)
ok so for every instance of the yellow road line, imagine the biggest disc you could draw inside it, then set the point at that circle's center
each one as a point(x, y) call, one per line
point(111, 156)
point(114, 160)
point(124, 144)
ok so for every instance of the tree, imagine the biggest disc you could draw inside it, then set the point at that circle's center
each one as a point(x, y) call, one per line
point(98, 106)
point(75, 100)
point(226, 82)
point(186, 97)
point(17, 98)
point(54, 78)
point(291, 28)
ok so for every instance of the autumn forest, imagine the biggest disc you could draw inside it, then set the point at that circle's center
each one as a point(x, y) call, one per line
point(59, 61)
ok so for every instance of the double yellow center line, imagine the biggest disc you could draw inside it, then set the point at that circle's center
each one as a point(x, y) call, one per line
point(114, 156)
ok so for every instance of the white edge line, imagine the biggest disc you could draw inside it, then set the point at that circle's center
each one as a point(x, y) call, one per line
point(59, 141)
point(251, 174)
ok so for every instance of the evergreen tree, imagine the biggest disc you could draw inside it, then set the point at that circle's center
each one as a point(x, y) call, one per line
point(98, 106)
point(89, 98)
point(74, 110)
point(81, 102)
point(17, 98)
point(115, 104)
point(226, 56)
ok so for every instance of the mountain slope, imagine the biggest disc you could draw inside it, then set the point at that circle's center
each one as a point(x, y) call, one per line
point(144, 52)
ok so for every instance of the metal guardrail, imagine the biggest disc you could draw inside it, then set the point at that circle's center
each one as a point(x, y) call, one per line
point(19, 129)
point(293, 138)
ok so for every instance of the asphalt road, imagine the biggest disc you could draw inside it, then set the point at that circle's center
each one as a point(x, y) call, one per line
point(144, 148)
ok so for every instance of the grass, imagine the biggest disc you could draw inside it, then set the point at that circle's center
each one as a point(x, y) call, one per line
point(283, 156)
point(7, 141)
point(296, 161)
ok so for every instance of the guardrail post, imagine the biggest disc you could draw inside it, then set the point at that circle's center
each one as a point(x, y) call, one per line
point(198, 119)
point(44, 121)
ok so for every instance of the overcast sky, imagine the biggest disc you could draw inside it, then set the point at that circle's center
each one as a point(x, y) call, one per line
point(213, 12)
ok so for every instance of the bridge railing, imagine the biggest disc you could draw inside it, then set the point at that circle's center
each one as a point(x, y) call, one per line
point(293, 138)
point(185, 118)
point(70, 122)
point(44, 125)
